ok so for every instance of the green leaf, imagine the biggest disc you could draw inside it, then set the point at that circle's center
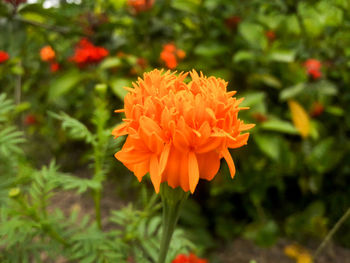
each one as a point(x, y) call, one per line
point(190, 6)
point(326, 88)
point(253, 34)
point(64, 84)
point(269, 144)
point(117, 86)
point(266, 79)
point(337, 111)
point(263, 234)
point(282, 56)
point(243, 55)
point(279, 126)
point(324, 156)
point(110, 63)
point(210, 49)
point(76, 129)
point(292, 91)
point(252, 99)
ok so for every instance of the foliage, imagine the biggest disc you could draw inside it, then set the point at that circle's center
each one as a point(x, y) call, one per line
point(286, 184)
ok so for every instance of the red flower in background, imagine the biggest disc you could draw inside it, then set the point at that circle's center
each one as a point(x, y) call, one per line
point(87, 53)
point(16, 2)
point(188, 259)
point(317, 109)
point(232, 22)
point(271, 35)
point(259, 117)
point(313, 68)
point(170, 55)
point(54, 67)
point(30, 119)
point(3, 56)
point(140, 5)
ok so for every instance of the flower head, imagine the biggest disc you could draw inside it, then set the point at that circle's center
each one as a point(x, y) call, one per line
point(170, 55)
point(178, 131)
point(4, 56)
point(192, 258)
point(87, 53)
point(313, 68)
point(47, 53)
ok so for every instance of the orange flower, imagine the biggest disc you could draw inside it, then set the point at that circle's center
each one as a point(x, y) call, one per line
point(170, 54)
point(140, 5)
point(54, 67)
point(4, 56)
point(313, 68)
point(192, 258)
point(47, 53)
point(178, 132)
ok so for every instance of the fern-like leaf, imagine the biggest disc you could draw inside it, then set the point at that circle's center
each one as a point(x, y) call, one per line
point(76, 129)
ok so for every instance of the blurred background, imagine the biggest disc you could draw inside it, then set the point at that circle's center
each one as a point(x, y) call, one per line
point(63, 66)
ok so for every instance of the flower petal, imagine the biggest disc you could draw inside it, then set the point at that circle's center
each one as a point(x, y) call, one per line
point(120, 130)
point(154, 172)
point(164, 157)
point(209, 164)
point(193, 171)
point(226, 154)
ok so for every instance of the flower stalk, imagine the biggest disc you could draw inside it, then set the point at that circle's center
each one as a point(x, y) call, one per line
point(172, 200)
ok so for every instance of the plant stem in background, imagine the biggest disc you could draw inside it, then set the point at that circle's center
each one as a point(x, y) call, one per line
point(331, 233)
point(97, 201)
point(172, 200)
point(18, 87)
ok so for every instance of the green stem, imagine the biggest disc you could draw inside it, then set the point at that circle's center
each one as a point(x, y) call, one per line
point(172, 200)
point(97, 201)
point(332, 232)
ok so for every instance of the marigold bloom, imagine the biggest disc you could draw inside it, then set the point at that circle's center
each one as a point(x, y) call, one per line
point(140, 5)
point(87, 53)
point(170, 54)
point(4, 56)
point(188, 259)
point(313, 68)
point(47, 53)
point(178, 132)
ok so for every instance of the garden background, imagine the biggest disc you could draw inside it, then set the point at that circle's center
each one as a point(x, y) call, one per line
point(63, 66)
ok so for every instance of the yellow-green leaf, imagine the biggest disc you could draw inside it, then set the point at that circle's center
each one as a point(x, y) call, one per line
point(300, 118)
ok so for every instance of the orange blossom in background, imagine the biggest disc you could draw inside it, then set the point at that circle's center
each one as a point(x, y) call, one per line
point(4, 56)
point(170, 55)
point(191, 258)
point(177, 131)
point(47, 54)
point(313, 68)
point(140, 5)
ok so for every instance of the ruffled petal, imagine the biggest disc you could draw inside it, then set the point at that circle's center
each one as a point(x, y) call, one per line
point(193, 171)
point(209, 164)
point(226, 154)
point(120, 130)
point(154, 173)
